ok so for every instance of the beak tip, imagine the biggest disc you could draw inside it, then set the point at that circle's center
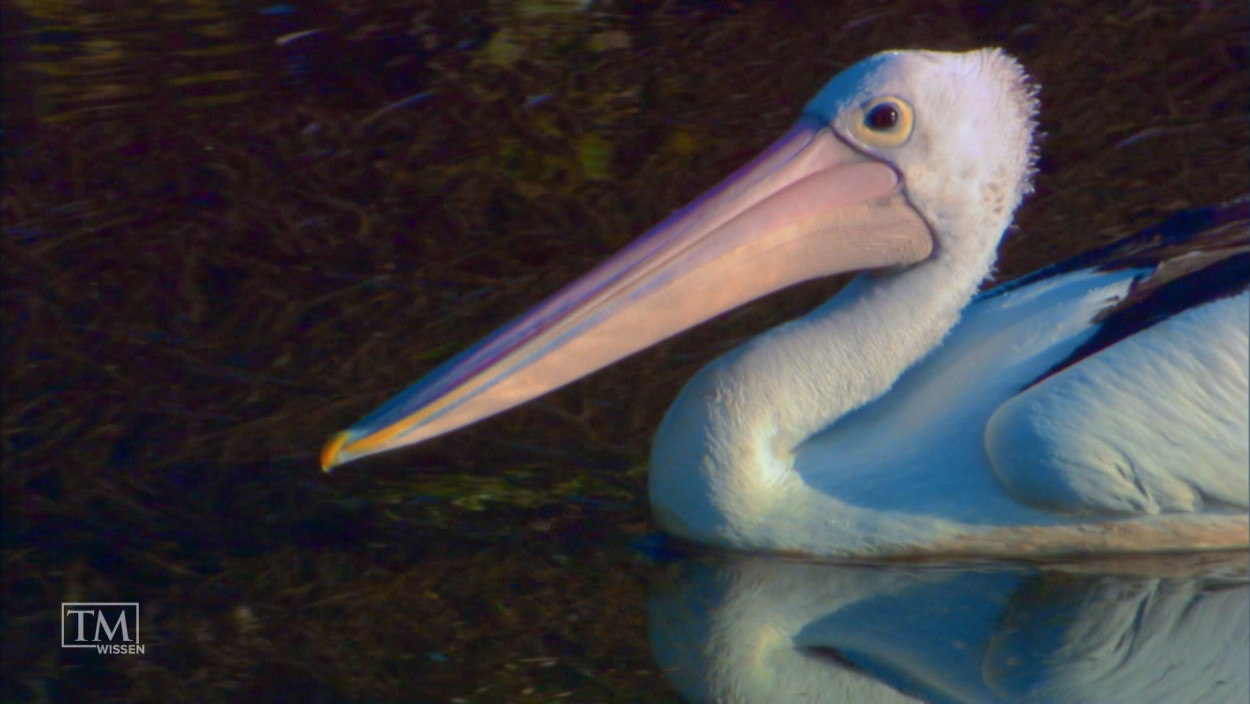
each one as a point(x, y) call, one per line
point(331, 454)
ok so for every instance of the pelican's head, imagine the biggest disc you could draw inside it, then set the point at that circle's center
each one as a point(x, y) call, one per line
point(902, 155)
point(958, 127)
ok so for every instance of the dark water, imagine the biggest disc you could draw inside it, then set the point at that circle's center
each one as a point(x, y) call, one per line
point(230, 230)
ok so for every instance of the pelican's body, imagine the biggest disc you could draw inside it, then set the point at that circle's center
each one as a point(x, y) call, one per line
point(903, 416)
point(981, 446)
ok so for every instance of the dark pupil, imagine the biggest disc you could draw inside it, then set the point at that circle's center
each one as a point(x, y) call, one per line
point(882, 117)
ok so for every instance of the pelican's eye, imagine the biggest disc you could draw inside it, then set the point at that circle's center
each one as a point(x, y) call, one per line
point(886, 122)
point(882, 118)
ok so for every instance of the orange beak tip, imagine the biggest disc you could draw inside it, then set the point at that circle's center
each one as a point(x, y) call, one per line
point(330, 453)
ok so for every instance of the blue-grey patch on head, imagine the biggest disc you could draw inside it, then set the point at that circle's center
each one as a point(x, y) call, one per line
point(846, 88)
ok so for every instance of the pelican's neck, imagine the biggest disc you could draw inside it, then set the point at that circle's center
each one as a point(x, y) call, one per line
point(724, 453)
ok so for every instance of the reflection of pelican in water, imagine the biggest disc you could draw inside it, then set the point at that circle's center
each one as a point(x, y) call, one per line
point(758, 629)
point(1093, 407)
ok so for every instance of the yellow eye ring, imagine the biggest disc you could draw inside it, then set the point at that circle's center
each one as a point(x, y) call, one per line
point(885, 122)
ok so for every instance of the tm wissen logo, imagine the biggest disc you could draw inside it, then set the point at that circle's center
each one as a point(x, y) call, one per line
point(110, 628)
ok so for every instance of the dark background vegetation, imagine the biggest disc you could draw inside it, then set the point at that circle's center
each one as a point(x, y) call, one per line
point(218, 249)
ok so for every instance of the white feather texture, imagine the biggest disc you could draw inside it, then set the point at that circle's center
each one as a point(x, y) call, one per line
point(1144, 427)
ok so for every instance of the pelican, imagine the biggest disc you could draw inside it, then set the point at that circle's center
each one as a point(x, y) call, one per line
point(1098, 406)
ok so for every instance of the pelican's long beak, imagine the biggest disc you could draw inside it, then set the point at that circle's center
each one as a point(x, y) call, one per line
point(808, 207)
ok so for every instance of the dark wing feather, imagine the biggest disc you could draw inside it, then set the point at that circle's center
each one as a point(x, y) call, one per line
point(1191, 259)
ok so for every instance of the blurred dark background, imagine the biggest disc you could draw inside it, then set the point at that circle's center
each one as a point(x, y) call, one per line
point(230, 229)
